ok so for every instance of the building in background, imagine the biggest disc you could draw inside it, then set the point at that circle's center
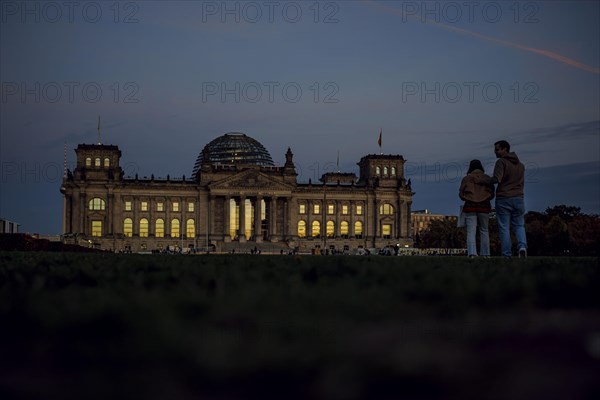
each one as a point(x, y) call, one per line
point(235, 198)
point(421, 219)
point(8, 226)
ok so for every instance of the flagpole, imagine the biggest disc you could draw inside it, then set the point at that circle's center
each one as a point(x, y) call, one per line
point(65, 161)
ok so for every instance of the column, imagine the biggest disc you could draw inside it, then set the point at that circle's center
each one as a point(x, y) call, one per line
point(365, 219)
point(110, 205)
point(399, 217)
point(375, 229)
point(408, 220)
point(257, 220)
point(338, 219)
point(309, 214)
point(65, 215)
point(210, 218)
point(286, 217)
point(117, 211)
point(351, 219)
point(137, 205)
point(168, 206)
point(198, 220)
point(151, 207)
point(242, 235)
point(76, 212)
point(83, 211)
point(226, 219)
point(273, 220)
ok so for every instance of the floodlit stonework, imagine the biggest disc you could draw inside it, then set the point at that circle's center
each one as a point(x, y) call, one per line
point(236, 198)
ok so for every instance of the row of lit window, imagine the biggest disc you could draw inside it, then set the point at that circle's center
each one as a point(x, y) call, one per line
point(315, 232)
point(316, 209)
point(99, 204)
point(385, 171)
point(330, 229)
point(160, 206)
point(97, 162)
point(159, 228)
point(384, 209)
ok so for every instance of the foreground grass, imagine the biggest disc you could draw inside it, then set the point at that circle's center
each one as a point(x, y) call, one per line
point(279, 327)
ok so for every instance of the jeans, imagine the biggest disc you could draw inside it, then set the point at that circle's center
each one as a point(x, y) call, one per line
point(510, 211)
point(475, 220)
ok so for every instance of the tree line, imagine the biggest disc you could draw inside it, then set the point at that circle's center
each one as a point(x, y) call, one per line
point(558, 231)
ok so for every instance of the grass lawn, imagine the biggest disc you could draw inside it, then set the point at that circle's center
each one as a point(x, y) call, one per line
point(105, 326)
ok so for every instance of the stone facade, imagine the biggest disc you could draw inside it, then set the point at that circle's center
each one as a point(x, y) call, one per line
point(228, 205)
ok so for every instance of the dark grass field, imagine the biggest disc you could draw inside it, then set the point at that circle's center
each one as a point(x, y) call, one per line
point(104, 326)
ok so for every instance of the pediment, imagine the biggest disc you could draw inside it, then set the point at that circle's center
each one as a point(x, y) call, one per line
point(253, 181)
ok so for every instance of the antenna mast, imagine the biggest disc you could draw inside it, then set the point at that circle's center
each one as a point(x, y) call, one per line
point(99, 130)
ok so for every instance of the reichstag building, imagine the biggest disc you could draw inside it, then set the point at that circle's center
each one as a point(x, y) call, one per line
point(236, 199)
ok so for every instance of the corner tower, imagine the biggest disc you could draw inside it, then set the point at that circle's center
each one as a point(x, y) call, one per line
point(382, 170)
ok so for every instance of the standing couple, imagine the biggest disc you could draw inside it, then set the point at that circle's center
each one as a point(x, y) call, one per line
point(477, 189)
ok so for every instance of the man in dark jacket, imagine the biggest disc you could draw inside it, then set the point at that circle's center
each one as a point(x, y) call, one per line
point(509, 174)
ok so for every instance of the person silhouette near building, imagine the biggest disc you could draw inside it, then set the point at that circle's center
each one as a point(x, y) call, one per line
point(477, 190)
point(509, 175)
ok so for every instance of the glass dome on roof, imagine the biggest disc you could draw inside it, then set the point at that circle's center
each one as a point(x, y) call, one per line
point(234, 148)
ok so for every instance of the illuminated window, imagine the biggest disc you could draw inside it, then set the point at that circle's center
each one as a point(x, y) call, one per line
point(385, 171)
point(303, 211)
point(159, 229)
point(393, 171)
point(330, 229)
point(190, 228)
point(97, 162)
point(175, 228)
point(316, 209)
point(386, 231)
point(190, 207)
point(175, 206)
point(345, 209)
point(88, 162)
point(377, 171)
point(143, 227)
point(344, 228)
point(386, 209)
point(144, 206)
point(128, 227)
point(330, 209)
point(359, 209)
point(97, 204)
point(358, 229)
point(160, 207)
point(106, 163)
point(301, 229)
point(316, 229)
point(97, 228)
point(127, 206)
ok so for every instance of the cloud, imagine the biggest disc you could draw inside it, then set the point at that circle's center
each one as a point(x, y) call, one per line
point(546, 53)
point(567, 131)
point(570, 131)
